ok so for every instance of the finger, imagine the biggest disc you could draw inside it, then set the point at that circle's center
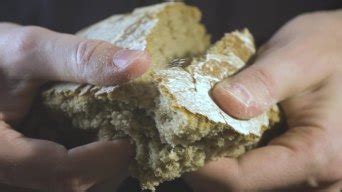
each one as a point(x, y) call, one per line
point(279, 72)
point(96, 162)
point(281, 164)
point(38, 53)
point(40, 164)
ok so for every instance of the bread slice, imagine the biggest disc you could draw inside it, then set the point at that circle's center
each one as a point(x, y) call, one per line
point(167, 113)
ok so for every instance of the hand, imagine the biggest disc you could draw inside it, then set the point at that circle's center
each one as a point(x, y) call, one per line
point(31, 56)
point(300, 67)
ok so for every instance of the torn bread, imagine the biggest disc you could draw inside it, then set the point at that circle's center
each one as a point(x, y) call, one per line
point(160, 30)
point(174, 124)
point(185, 111)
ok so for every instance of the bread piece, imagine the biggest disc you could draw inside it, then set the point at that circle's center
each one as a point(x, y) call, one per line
point(166, 31)
point(177, 135)
point(192, 129)
point(172, 133)
point(186, 113)
point(159, 30)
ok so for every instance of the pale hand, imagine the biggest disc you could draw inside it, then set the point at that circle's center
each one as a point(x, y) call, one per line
point(31, 56)
point(300, 67)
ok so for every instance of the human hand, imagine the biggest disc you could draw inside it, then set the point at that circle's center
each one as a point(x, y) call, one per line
point(31, 56)
point(300, 67)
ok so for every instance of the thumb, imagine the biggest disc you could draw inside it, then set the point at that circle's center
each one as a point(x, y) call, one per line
point(38, 53)
point(277, 74)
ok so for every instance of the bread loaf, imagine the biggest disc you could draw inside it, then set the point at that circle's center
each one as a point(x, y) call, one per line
point(168, 113)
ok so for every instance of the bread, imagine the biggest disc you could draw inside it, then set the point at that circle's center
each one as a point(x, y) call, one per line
point(186, 113)
point(168, 112)
point(159, 30)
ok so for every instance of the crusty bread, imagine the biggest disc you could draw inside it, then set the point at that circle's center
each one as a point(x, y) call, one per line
point(186, 113)
point(168, 113)
point(157, 29)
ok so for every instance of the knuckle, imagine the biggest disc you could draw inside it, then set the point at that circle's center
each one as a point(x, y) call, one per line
point(86, 50)
point(26, 39)
point(265, 79)
point(87, 59)
point(7, 133)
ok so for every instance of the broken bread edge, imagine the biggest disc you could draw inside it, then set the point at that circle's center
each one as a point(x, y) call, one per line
point(219, 139)
point(156, 161)
point(156, 29)
point(186, 112)
point(90, 93)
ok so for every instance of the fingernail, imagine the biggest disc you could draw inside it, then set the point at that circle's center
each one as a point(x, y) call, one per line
point(123, 58)
point(242, 100)
point(239, 92)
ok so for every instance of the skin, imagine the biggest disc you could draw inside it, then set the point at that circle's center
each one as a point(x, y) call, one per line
point(31, 56)
point(300, 67)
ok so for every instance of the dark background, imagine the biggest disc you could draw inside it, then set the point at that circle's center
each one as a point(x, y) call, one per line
point(262, 17)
